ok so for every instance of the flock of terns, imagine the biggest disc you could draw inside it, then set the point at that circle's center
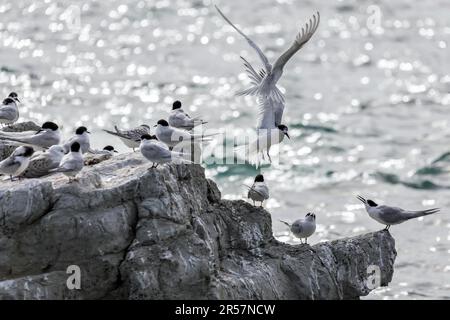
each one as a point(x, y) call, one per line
point(67, 156)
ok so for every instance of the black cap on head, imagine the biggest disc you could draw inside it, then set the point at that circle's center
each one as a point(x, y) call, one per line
point(8, 101)
point(81, 130)
point(312, 215)
point(284, 129)
point(146, 137)
point(50, 125)
point(75, 147)
point(163, 123)
point(28, 151)
point(371, 203)
point(13, 95)
point(176, 105)
point(259, 178)
point(109, 148)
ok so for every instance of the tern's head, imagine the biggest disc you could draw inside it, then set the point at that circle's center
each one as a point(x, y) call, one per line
point(259, 178)
point(148, 137)
point(367, 203)
point(284, 129)
point(56, 149)
point(24, 151)
point(372, 203)
point(75, 147)
point(162, 123)
point(176, 105)
point(310, 216)
point(14, 96)
point(110, 149)
point(8, 101)
point(81, 130)
point(49, 126)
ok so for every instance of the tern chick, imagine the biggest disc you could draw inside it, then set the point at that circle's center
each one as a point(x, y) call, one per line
point(131, 138)
point(40, 165)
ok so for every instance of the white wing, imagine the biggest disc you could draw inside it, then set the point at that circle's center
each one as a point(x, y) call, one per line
point(261, 55)
point(266, 113)
point(302, 37)
point(8, 113)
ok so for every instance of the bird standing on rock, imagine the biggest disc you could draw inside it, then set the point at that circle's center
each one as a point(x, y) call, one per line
point(392, 215)
point(158, 153)
point(172, 136)
point(82, 137)
point(131, 138)
point(303, 228)
point(40, 165)
point(9, 112)
point(17, 162)
point(44, 138)
point(259, 190)
point(72, 163)
point(178, 118)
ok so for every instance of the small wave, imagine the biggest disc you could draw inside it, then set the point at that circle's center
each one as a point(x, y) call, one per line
point(419, 184)
point(238, 170)
point(431, 170)
point(445, 157)
point(314, 127)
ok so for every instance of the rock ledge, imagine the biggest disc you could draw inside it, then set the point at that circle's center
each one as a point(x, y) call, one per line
point(165, 234)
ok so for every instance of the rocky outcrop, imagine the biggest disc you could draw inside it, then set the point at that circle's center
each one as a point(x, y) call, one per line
point(165, 233)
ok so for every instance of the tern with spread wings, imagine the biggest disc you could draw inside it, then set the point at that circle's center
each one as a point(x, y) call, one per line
point(271, 131)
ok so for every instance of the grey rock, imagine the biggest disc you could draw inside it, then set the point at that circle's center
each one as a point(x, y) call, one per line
point(165, 233)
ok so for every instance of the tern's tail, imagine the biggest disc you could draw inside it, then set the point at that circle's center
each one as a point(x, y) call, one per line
point(261, 90)
point(417, 214)
point(117, 134)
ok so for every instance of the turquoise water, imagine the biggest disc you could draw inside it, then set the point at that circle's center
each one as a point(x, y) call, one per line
point(367, 101)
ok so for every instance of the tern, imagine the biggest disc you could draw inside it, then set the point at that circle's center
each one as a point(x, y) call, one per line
point(158, 152)
point(173, 136)
point(9, 112)
point(17, 162)
point(131, 138)
point(259, 190)
point(178, 118)
point(81, 136)
point(72, 163)
point(303, 228)
point(388, 215)
point(270, 129)
point(44, 138)
point(40, 165)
